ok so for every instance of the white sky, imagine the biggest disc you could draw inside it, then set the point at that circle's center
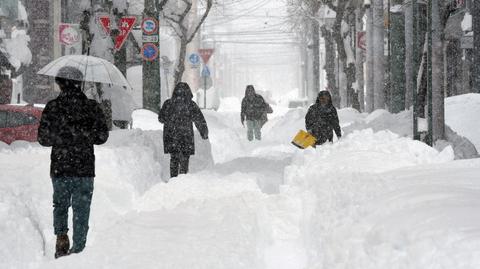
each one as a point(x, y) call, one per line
point(254, 36)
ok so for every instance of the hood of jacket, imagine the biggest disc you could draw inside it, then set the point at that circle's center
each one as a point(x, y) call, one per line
point(182, 91)
point(325, 94)
point(250, 91)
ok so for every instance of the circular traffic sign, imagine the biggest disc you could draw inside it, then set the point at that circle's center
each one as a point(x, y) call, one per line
point(150, 51)
point(149, 26)
point(194, 59)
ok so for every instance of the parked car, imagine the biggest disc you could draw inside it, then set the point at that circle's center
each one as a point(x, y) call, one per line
point(19, 123)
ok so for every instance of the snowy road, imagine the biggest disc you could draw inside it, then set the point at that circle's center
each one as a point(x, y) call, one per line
point(372, 200)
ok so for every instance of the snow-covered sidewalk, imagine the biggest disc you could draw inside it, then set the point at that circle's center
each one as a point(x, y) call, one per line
point(371, 200)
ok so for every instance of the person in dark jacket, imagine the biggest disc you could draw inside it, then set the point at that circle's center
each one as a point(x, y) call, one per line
point(71, 124)
point(322, 119)
point(254, 111)
point(178, 115)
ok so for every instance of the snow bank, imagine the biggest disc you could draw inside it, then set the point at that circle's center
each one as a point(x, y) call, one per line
point(461, 114)
point(130, 163)
point(377, 200)
point(369, 152)
point(146, 120)
point(457, 115)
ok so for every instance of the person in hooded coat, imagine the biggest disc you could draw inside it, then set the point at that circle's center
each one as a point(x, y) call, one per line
point(322, 119)
point(254, 111)
point(178, 115)
point(71, 124)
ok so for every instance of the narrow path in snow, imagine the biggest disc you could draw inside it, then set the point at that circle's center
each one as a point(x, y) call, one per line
point(266, 161)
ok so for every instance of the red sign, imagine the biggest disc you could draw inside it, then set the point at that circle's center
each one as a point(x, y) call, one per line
point(205, 54)
point(124, 27)
point(362, 40)
point(105, 22)
point(69, 34)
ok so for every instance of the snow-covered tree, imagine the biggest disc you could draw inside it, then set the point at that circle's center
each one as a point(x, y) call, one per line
point(179, 15)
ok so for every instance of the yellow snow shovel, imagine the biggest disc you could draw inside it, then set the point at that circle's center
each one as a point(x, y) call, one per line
point(304, 140)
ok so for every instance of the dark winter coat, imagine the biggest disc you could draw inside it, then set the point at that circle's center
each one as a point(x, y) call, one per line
point(254, 107)
point(71, 124)
point(321, 121)
point(178, 115)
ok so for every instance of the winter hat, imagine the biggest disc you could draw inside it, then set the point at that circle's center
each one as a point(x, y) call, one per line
point(70, 73)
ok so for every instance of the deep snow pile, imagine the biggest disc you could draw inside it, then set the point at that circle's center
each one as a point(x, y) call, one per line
point(374, 199)
point(130, 163)
point(461, 114)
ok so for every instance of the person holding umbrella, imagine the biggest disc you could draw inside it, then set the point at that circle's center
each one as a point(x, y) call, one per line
point(178, 114)
point(71, 124)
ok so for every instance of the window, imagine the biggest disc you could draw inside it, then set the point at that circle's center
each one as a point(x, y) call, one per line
point(15, 119)
point(3, 119)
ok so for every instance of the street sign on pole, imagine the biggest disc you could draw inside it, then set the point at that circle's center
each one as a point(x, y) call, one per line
point(69, 34)
point(194, 60)
point(150, 39)
point(205, 54)
point(71, 38)
point(206, 79)
point(152, 86)
point(125, 27)
point(105, 23)
point(149, 51)
point(149, 26)
point(205, 71)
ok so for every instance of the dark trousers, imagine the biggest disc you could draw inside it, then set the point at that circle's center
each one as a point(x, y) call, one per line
point(76, 192)
point(178, 164)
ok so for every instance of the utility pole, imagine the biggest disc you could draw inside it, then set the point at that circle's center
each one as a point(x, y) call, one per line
point(476, 44)
point(316, 55)
point(379, 55)
point(359, 58)
point(429, 138)
point(369, 66)
point(415, 55)
point(437, 94)
point(151, 67)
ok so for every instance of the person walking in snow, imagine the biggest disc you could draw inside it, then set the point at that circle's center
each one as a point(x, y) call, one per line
point(178, 114)
point(254, 111)
point(71, 124)
point(322, 119)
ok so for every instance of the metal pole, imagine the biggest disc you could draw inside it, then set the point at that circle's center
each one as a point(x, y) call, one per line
point(476, 44)
point(389, 96)
point(414, 70)
point(205, 91)
point(151, 69)
point(429, 138)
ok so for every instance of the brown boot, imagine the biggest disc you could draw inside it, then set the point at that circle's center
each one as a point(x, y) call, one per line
point(63, 244)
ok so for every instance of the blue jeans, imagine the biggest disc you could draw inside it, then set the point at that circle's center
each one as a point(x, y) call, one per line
point(254, 129)
point(76, 192)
